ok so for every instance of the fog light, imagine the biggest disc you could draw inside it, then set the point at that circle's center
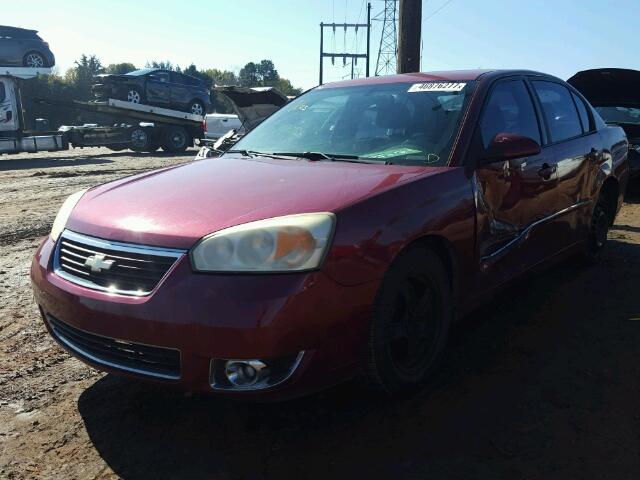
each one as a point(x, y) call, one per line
point(245, 373)
point(255, 374)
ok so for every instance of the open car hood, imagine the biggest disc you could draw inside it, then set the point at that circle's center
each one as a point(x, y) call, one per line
point(253, 105)
point(613, 87)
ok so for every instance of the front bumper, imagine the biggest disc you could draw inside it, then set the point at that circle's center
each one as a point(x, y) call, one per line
point(207, 317)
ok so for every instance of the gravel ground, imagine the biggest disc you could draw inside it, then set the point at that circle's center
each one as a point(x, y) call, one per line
point(542, 383)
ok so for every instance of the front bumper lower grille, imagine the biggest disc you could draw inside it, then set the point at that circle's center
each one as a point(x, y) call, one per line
point(126, 269)
point(131, 357)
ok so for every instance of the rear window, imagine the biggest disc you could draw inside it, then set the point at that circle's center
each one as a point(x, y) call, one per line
point(584, 115)
point(559, 110)
point(18, 33)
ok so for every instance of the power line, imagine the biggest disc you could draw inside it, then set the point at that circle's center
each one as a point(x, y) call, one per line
point(388, 52)
point(435, 12)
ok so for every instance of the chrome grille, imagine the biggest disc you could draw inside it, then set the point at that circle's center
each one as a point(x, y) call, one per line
point(131, 357)
point(127, 269)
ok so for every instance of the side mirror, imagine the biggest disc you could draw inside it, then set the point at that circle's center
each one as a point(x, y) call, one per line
point(507, 146)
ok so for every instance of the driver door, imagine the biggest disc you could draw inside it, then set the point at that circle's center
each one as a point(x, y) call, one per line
point(159, 89)
point(513, 197)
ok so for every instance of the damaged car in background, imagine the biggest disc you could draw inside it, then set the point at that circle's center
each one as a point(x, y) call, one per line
point(251, 107)
point(615, 93)
point(21, 47)
point(157, 87)
point(340, 237)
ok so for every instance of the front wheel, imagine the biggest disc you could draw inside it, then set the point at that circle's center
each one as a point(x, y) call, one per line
point(133, 95)
point(410, 322)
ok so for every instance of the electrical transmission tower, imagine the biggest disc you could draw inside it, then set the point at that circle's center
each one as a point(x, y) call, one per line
point(388, 53)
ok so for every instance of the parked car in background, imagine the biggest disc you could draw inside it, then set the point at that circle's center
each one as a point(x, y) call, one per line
point(615, 93)
point(340, 237)
point(153, 86)
point(218, 124)
point(24, 48)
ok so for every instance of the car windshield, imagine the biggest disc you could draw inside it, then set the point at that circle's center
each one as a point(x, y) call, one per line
point(620, 114)
point(400, 123)
point(142, 71)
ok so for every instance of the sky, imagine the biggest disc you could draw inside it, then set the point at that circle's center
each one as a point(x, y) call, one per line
point(559, 37)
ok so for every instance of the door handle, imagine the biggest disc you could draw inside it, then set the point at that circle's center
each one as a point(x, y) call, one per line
point(547, 171)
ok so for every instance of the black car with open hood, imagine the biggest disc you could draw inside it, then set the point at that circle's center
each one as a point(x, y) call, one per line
point(615, 94)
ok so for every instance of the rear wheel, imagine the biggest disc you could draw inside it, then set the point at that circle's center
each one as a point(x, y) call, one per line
point(116, 147)
point(34, 60)
point(410, 323)
point(601, 220)
point(196, 108)
point(176, 139)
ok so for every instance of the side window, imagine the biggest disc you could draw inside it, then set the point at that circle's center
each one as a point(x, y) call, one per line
point(3, 94)
point(582, 111)
point(559, 110)
point(509, 110)
point(159, 77)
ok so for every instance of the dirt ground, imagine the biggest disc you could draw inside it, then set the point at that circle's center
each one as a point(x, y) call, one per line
point(542, 383)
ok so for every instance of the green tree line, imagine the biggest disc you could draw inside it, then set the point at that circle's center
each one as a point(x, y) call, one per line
point(75, 84)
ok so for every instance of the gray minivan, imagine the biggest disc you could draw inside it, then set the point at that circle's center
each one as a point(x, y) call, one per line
point(24, 48)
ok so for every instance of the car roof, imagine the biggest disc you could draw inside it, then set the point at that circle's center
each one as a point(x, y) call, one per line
point(440, 76)
point(6, 28)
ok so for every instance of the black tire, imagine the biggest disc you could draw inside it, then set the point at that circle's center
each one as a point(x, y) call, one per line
point(409, 324)
point(133, 95)
point(601, 220)
point(175, 139)
point(34, 60)
point(116, 147)
point(140, 139)
point(196, 107)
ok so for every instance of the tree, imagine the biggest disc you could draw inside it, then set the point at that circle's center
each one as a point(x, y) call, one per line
point(164, 65)
point(249, 76)
point(268, 73)
point(120, 68)
point(285, 87)
point(82, 75)
point(221, 77)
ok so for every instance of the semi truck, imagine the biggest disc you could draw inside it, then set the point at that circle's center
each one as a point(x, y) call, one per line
point(137, 127)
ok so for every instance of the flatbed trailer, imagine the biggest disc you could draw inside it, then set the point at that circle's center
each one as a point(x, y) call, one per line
point(138, 127)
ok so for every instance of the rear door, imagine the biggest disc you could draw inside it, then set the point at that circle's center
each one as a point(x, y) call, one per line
point(9, 121)
point(159, 88)
point(574, 147)
point(513, 197)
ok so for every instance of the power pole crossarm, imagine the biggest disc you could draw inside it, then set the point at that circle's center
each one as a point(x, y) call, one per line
point(410, 26)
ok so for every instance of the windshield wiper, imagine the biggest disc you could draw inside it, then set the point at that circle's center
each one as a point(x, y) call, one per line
point(332, 157)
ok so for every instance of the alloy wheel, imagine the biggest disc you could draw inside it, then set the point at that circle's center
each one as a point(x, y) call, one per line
point(196, 109)
point(34, 60)
point(414, 329)
point(133, 96)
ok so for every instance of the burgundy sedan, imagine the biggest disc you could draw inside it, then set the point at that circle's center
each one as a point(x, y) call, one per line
point(340, 238)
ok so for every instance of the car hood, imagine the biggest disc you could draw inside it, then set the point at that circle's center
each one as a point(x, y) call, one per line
point(615, 87)
point(177, 206)
point(253, 105)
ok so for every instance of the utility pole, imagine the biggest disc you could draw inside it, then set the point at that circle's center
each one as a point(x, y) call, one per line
point(344, 55)
point(410, 26)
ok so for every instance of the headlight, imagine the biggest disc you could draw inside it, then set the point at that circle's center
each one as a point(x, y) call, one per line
point(281, 244)
point(64, 212)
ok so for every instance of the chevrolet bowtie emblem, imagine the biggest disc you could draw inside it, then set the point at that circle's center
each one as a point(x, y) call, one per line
point(98, 263)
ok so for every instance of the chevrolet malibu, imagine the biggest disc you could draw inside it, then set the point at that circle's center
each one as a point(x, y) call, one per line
point(338, 239)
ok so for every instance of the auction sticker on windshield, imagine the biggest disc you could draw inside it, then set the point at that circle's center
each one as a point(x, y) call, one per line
point(437, 87)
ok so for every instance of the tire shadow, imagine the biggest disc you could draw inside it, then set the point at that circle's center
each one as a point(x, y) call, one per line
point(542, 382)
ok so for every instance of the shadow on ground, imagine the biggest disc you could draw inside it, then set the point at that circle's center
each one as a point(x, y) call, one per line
point(47, 161)
point(543, 382)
